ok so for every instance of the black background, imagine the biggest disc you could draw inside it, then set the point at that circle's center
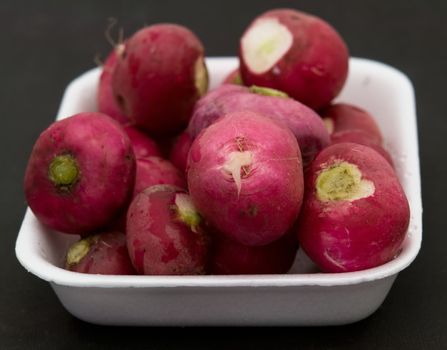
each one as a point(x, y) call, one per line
point(45, 44)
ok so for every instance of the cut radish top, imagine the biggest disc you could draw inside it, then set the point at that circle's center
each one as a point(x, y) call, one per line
point(265, 43)
point(343, 181)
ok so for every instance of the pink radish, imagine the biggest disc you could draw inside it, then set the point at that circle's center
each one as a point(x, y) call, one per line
point(104, 254)
point(355, 214)
point(342, 117)
point(105, 98)
point(80, 173)
point(143, 146)
point(164, 233)
point(305, 124)
point(159, 76)
point(294, 52)
point(232, 258)
point(180, 150)
point(245, 177)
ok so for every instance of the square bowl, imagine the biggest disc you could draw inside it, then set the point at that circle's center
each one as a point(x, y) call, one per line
point(302, 297)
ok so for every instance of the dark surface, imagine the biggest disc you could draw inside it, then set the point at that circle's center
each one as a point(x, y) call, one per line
point(44, 46)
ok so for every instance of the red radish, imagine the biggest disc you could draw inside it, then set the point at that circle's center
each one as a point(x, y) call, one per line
point(342, 117)
point(179, 152)
point(157, 171)
point(245, 177)
point(355, 214)
point(231, 258)
point(105, 99)
point(143, 145)
point(150, 171)
point(305, 124)
point(159, 76)
point(208, 108)
point(362, 138)
point(104, 253)
point(234, 77)
point(164, 233)
point(80, 173)
point(294, 52)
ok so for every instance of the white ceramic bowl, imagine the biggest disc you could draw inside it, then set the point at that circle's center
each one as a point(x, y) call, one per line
point(302, 297)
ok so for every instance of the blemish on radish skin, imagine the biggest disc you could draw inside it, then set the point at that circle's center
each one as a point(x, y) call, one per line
point(121, 102)
point(317, 70)
point(333, 260)
point(252, 210)
point(276, 70)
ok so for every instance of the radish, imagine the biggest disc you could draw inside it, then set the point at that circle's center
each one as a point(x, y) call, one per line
point(234, 77)
point(164, 233)
point(208, 108)
point(361, 138)
point(180, 150)
point(342, 117)
point(150, 171)
point(232, 258)
point(159, 76)
point(104, 253)
point(294, 52)
point(80, 173)
point(105, 98)
point(245, 177)
point(143, 146)
point(157, 171)
point(355, 213)
point(305, 124)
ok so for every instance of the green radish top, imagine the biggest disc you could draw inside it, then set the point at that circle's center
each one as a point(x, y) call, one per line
point(79, 250)
point(260, 90)
point(63, 171)
point(187, 212)
point(342, 181)
point(237, 80)
point(201, 76)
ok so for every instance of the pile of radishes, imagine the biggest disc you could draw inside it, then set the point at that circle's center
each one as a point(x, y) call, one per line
point(258, 166)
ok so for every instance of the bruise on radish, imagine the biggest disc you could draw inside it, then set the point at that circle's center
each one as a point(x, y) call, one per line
point(245, 177)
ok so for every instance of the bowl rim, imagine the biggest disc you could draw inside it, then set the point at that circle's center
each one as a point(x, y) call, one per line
point(33, 261)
